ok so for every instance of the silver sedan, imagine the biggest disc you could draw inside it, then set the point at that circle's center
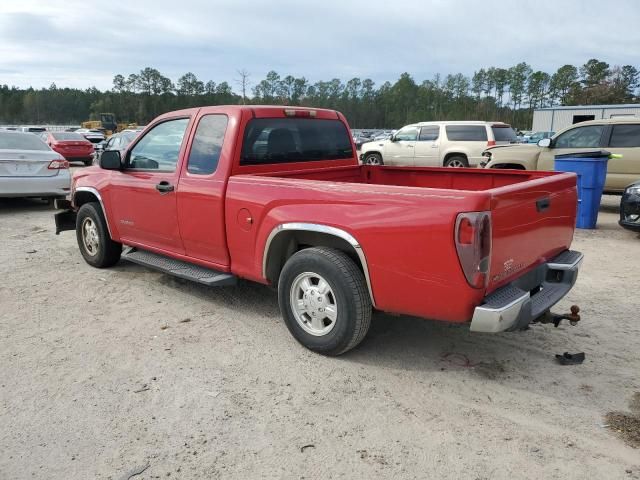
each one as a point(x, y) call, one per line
point(29, 168)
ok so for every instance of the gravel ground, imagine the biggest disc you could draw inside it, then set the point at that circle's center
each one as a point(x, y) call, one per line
point(106, 373)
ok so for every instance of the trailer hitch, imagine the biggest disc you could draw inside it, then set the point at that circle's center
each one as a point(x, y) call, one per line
point(555, 318)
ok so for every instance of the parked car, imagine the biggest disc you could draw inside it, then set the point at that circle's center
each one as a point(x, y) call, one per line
point(200, 196)
point(94, 135)
point(630, 207)
point(617, 135)
point(537, 136)
point(29, 168)
point(437, 144)
point(119, 141)
point(37, 130)
point(71, 145)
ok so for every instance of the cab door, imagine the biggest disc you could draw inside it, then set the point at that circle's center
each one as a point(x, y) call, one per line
point(427, 149)
point(143, 193)
point(400, 150)
point(201, 191)
point(576, 140)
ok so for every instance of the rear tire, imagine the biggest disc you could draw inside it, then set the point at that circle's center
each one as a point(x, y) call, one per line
point(95, 244)
point(324, 300)
point(373, 159)
point(456, 161)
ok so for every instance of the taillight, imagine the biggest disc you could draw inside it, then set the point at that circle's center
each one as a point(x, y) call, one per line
point(59, 164)
point(491, 143)
point(473, 244)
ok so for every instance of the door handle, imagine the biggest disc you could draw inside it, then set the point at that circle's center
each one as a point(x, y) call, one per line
point(164, 187)
point(409, 146)
point(434, 145)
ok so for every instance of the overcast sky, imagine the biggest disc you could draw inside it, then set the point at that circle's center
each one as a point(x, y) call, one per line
point(84, 43)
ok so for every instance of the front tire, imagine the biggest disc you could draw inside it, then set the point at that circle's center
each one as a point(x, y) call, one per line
point(95, 244)
point(324, 300)
point(373, 159)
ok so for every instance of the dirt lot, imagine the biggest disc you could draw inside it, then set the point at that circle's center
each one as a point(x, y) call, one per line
point(106, 372)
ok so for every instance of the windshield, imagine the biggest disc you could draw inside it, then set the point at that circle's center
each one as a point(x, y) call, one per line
point(21, 141)
point(281, 140)
point(69, 136)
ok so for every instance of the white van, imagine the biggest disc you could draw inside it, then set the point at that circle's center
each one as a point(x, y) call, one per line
point(438, 144)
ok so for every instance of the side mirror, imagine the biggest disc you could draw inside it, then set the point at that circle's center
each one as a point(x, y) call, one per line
point(110, 160)
point(392, 138)
point(545, 142)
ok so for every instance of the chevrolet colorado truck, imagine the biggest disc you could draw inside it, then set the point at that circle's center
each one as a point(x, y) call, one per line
point(276, 195)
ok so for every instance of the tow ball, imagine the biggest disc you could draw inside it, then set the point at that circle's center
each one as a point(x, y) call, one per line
point(555, 318)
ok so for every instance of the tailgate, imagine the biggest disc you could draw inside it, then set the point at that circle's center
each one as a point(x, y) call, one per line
point(532, 221)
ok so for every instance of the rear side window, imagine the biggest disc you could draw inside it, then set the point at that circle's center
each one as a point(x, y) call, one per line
point(429, 134)
point(625, 136)
point(282, 140)
point(466, 133)
point(21, 141)
point(207, 145)
point(504, 134)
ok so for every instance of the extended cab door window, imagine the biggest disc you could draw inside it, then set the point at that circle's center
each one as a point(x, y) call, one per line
point(207, 145)
point(159, 149)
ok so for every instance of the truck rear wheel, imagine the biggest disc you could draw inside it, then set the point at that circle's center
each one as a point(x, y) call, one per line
point(324, 300)
point(95, 243)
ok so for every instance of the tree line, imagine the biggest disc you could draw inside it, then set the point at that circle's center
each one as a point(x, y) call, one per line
point(501, 94)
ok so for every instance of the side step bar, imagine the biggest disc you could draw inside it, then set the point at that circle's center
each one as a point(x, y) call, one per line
point(178, 268)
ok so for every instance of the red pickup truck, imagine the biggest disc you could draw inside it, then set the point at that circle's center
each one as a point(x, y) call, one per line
point(276, 195)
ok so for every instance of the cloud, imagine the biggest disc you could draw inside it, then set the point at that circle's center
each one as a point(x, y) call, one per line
point(78, 43)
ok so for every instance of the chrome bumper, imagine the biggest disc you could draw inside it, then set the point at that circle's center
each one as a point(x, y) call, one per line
point(514, 306)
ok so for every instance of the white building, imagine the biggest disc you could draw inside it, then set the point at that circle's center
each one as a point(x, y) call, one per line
point(553, 119)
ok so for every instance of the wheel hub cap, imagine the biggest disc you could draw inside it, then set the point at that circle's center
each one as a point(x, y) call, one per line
point(313, 304)
point(90, 236)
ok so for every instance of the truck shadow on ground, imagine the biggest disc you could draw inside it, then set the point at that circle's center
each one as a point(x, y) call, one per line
point(398, 342)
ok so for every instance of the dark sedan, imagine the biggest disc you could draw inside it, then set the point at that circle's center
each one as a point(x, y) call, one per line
point(630, 208)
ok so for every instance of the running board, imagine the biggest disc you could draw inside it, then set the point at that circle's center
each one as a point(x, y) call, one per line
point(178, 268)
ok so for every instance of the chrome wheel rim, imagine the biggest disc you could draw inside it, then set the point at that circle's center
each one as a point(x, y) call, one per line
point(90, 236)
point(372, 160)
point(456, 164)
point(313, 304)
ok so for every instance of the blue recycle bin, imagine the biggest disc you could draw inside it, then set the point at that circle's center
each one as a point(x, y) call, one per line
point(591, 168)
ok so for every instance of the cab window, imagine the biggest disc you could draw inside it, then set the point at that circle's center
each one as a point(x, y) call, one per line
point(580, 137)
point(160, 147)
point(625, 136)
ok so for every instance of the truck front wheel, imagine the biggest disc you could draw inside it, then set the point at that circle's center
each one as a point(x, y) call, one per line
point(94, 241)
point(324, 300)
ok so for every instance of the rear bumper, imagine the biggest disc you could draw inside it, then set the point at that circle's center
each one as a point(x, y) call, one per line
point(527, 298)
point(54, 186)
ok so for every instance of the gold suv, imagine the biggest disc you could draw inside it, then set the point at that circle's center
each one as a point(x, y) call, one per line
point(616, 135)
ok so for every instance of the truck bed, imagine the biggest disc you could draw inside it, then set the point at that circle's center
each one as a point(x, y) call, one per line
point(468, 179)
point(404, 219)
